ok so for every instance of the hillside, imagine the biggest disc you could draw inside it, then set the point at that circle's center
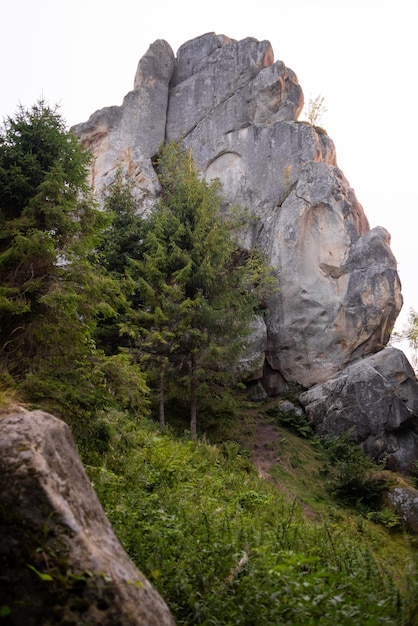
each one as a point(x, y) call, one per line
point(255, 523)
point(246, 531)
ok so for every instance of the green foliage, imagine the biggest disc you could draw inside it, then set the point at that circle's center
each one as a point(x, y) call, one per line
point(296, 422)
point(410, 334)
point(45, 229)
point(42, 170)
point(52, 287)
point(414, 474)
point(386, 517)
point(77, 316)
point(353, 477)
point(122, 240)
point(201, 291)
point(224, 547)
point(193, 290)
point(291, 419)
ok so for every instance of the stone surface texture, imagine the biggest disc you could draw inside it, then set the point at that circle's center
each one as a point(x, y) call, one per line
point(52, 525)
point(237, 109)
point(376, 399)
point(125, 138)
point(404, 501)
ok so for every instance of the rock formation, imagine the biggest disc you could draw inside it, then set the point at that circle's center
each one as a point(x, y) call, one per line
point(375, 398)
point(60, 562)
point(403, 499)
point(238, 110)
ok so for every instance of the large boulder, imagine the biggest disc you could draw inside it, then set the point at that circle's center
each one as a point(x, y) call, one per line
point(238, 111)
point(376, 400)
point(60, 562)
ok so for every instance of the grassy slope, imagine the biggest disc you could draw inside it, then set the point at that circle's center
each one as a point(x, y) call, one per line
point(245, 531)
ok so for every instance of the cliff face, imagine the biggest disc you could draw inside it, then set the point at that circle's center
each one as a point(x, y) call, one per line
point(237, 109)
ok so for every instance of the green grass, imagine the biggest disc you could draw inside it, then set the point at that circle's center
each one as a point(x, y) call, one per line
point(225, 547)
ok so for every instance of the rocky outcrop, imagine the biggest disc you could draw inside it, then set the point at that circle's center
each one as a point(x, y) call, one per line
point(60, 562)
point(237, 109)
point(123, 139)
point(376, 399)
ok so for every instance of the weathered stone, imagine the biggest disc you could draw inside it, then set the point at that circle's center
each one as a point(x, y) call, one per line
point(375, 399)
point(237, 109)
point(60, 562)
point(124, 139)
point(285, 406)
point(327, 312)
point(235, 85)
point(251, 363)
point(404, 501)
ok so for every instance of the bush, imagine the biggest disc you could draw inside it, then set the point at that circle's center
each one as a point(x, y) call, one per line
point(353, 477)
point(286, 413)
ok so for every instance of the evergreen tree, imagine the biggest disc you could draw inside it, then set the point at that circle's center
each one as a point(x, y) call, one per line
point(122, 240)
point(122, 254)
point(200, 289)
point(120, 246)
point(51, 287)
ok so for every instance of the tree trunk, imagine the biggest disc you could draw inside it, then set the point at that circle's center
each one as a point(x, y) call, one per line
point(161, 408)
point(193, 398)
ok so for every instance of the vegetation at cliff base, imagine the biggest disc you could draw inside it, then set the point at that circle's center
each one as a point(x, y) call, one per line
point(194, 291)
point(52, 289)
point(97, 304)
point(225, 547)
point(130, 327)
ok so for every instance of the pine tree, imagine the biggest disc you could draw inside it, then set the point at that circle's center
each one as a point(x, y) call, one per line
point(140, 321)
point(119, 247)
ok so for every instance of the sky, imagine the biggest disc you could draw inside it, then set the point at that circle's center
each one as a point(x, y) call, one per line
point(359, 55)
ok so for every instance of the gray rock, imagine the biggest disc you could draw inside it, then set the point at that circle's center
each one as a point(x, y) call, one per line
point(237, 110)
point(124, 139)
point(313, 328)
point(235, 85)
point(375, 399)
point(52, 525)
point(285, 406)
point(403, 499)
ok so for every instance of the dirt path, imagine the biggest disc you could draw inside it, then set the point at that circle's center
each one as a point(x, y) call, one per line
point(265, 450)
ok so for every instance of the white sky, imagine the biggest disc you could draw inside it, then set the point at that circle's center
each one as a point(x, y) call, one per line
point(359, 54)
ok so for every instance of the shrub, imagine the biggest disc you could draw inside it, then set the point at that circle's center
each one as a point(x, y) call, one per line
point(353, 477)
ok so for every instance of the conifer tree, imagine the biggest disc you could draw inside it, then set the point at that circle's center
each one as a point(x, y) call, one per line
point(51, 288)
point(140, 326)
point(200, 289)
point(120, 246)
